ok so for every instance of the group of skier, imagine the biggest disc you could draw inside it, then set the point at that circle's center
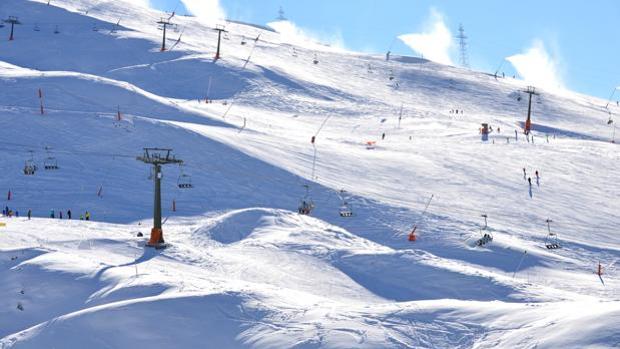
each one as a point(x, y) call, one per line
point(529, 179)
point(68, 215)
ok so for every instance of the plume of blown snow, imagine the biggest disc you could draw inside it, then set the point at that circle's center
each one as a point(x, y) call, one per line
point(537, 66)
point(208, 11)
point(291, 33)
point(143, 3)
point(435, 41)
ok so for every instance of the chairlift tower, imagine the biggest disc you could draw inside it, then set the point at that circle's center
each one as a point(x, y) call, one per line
point(157, 157)
point(281, 15)
point(463, 46)
point(531, 90)
point(219, 28)
point(164, 24)
point(12, 20)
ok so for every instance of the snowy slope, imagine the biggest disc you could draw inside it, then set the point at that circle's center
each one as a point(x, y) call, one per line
point(244, 269)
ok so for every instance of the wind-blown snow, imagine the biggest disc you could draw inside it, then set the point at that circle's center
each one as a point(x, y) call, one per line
point(537, 66)
point(435, 42)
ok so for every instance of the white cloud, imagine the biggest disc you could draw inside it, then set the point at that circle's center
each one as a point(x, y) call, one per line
point(209, 11)
point(537, 66)
point(293, 34)
point(435, 42)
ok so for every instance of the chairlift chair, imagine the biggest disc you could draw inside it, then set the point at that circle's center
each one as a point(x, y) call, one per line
point(306, 205)
point(552, 241)
point(346, 210)
point(485, 235)
point(185, 181)
point(485, 238)
point(50, 163)
point(29, 168)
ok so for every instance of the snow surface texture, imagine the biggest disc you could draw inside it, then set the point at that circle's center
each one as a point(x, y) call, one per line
point(244, 269)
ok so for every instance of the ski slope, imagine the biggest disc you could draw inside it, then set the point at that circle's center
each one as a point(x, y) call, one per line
point(243, 268)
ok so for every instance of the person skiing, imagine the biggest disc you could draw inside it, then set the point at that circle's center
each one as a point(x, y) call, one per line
point(529, 180)
point(29, 214)
point(524, 173)
point(69, 214)
point(87, 216)
point(383, 136)
point(81, 217)
point(537, 179)
point(60, 214)
point(52, 213)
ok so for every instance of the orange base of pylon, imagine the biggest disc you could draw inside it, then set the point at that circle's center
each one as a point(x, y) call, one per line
point(157, 238)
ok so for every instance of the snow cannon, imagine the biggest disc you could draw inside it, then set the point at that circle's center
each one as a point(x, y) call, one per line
point(484, 132)
point(412, 236)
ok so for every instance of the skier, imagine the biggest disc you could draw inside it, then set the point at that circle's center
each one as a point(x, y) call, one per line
point(69, 214)
point(537, 179)
point(524, 173)
point(81, 217)
point(29, 214)
point(529, 180)
point(16, 213)
point(516, 139)
point(60, 214)
point(383, 136)
point(497, 129)
point(87, 215)
point(52, 213)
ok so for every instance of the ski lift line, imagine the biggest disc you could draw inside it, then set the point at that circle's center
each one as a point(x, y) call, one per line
point(28, 148)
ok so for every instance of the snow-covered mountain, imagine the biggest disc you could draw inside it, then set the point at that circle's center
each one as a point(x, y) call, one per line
point(243, 268)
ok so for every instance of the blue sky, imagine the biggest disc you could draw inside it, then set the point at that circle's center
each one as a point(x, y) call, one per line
point(581, 38)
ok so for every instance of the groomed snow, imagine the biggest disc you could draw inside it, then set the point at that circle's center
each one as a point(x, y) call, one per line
point(243, 268)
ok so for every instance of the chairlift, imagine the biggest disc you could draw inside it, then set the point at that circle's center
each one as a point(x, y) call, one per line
point(306, 205)
point(29, 165)
point(485, 235)
point(346, 210)
point(50, 163)
point(551, 241)
point(184, 181)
